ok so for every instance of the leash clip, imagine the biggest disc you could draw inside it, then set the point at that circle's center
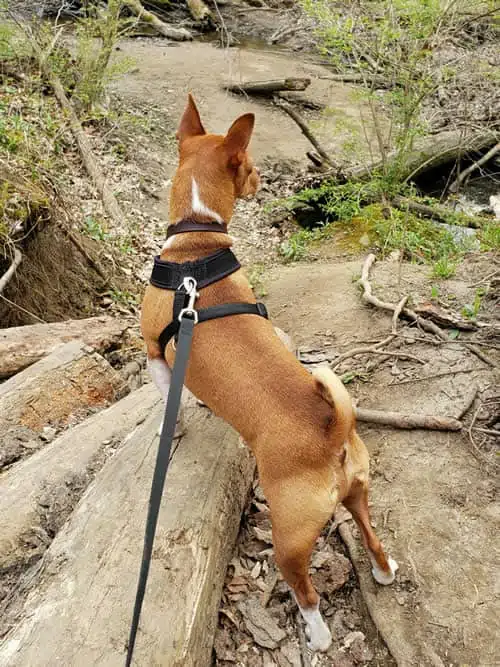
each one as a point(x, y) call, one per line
point(190, 286)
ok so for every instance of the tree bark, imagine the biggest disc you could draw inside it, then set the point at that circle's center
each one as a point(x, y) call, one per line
point(72, 378)
point(267, 88)
point(97, 556)
point(22, 346)
point(164, 29)
point(38, 494)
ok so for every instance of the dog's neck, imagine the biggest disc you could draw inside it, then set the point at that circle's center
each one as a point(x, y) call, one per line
point(201, 199)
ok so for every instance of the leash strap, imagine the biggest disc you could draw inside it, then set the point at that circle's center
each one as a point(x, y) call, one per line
point(187, 325)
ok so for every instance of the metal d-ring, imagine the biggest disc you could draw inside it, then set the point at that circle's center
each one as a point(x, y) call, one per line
point(190, 286)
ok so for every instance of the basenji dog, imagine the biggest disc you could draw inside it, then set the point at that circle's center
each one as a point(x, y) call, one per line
point(300, 426)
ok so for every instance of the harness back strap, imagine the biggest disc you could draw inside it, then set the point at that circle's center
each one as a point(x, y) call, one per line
point(208, 270)
point(211, 313)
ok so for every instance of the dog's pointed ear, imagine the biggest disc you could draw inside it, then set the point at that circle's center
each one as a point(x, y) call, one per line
point(190, 125)
point(238, 137)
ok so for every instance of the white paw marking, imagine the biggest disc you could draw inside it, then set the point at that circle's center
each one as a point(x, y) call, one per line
point(317, 632)
point(199, 207)
point(382, 577)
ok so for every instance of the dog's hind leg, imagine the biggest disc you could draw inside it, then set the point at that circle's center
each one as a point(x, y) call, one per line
point(298, 518)
point(383, 568)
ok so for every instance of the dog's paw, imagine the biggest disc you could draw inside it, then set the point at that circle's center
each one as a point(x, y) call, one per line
point(319, 637)
point(385, 578)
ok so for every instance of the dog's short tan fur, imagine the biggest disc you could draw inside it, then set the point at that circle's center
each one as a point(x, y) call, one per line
point(300, 427)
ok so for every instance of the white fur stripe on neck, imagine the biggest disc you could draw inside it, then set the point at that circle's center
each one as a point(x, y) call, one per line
point(199, 207)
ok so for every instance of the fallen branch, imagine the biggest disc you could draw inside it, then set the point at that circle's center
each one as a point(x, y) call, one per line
point(437, 213)
point(408, 421)
point(354, 77)
point(7, 276)
point(436, 375)
point(480, 355)
point(468, 403)
point(443, 317)
point(368, 298)
point(267, 88)
point(388, 353)
point(164, 29)
point(463, 175)
point(108, 199)
point(287, 108)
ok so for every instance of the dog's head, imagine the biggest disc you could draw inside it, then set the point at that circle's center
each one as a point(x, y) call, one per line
point(220, 165)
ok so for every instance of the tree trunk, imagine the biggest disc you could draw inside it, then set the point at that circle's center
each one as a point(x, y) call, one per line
point(98, 553)
point(22, 346)
point(71, 378)
point(38, 494)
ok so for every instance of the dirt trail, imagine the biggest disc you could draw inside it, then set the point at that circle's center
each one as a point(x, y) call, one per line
point(433, 502)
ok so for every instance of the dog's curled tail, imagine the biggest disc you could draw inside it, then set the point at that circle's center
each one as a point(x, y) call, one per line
point(332, 390)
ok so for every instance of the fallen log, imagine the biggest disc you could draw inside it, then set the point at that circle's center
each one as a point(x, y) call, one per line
point(435, 212)
point(22, 346)
point(199, 11)
point(38, 494)
point(97, 557)
point(408, 421)
point(164, 29)
point(267, 88)
point(71, 378)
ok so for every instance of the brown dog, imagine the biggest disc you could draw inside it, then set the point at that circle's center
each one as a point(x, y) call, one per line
point(300, 427)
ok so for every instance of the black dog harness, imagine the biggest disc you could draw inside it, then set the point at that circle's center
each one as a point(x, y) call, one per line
point(205, 271)
point(185, 279)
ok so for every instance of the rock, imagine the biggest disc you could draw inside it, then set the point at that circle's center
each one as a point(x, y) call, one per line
point(359, 651)
point(260, 624)
point(48, 433)
point(333, 574)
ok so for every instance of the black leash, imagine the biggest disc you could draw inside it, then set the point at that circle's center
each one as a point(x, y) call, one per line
point(188, 318)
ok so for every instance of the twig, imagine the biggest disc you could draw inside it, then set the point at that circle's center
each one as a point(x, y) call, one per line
point(488, 431)
point(437, 375)
point(368, 297)
point(287, 108)
point(4, 280)
point(304, 652)
point(397, 313)
point(476, 165)
point(473, 443)
point(468, 403)
point(362, 350)
point(480, 355)
point(408, 421)
point(388, 353)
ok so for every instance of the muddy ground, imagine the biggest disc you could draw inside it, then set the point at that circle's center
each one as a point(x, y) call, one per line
point(433, 494)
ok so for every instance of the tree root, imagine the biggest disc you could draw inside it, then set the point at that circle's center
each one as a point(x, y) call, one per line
point(7, 276)
point(408, 421)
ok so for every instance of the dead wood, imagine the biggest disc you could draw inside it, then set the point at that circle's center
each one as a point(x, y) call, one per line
point(463, 175)
point(481, 355)
point(164, 29)
point(7, 276)
point(435, 212)
point(408, 421)
point(397, 313)
point(199, 11)
point(305, 130)
point(434, 376)
point(109, 201)
point(204, 496)
point(267, 88)
point(444, 317)
point(38, 494)
point(369, 298)
point(356, 77)
point(72, 378)
point(469, 402)
point(22, 346)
